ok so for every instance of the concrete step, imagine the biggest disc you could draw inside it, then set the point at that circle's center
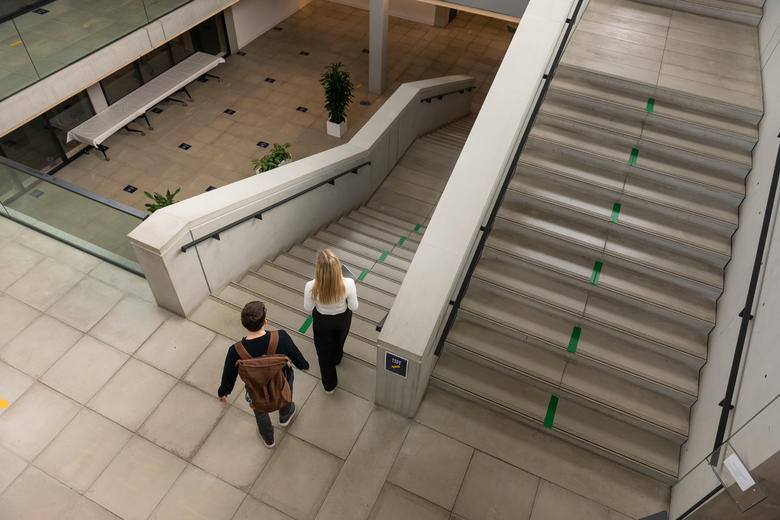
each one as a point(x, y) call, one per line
point(630, 316)
point(640, 124)
point(729, 10)
point(403, 202)
point(617, 275)
point(632, 446)
point(554, 324)
point(396, 237)
point(329, 239)
point(370, 240)
point(411, 189)
point(387, 218)
point(593, 386)
point(412, 176)
point(636, 214)
point(647, 185)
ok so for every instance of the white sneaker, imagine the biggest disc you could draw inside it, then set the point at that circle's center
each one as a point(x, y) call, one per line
point(329, 391)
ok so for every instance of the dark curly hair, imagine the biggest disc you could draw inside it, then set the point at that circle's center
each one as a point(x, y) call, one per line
point(253, 316)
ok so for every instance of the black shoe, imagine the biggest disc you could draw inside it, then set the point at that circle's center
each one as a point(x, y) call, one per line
point(283, 424)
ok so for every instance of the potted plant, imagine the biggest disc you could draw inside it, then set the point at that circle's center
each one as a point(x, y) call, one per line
point(276, 157)
point(160, 201)
point(338, 95)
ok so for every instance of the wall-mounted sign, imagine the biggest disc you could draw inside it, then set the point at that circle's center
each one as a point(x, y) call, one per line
point(396, 364)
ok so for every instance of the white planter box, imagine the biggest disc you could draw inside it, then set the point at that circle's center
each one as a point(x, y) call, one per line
point(337, 130)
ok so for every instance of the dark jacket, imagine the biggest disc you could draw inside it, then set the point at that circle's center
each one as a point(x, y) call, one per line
point(256, 348)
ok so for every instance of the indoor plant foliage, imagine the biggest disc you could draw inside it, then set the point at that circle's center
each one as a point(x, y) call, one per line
point(274, 158)
point(160, 200)
point(338, 95)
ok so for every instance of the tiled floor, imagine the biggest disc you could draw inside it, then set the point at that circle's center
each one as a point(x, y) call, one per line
point(222, 145)
point(113, 414)
point(670, 49)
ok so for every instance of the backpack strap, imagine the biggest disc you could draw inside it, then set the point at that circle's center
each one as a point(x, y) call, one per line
point(241, 351)
point(273, 341)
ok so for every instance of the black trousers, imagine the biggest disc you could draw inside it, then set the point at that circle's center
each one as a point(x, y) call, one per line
point(264, 421)
point(330, 333)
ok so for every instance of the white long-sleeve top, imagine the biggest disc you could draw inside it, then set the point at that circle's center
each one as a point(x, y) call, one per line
point(350, 299)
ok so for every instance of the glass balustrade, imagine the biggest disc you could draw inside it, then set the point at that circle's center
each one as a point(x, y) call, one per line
point(40, 38)
point(76, 216)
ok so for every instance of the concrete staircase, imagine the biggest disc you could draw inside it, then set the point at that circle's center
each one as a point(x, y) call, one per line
point(742, 11)
point(376, 242)
point(589, 310)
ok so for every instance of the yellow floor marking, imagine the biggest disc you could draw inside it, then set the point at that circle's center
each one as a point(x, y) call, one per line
point(3, 403)
point(17, 42)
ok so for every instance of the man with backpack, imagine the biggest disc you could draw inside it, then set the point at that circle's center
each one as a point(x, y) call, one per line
point(261, 361)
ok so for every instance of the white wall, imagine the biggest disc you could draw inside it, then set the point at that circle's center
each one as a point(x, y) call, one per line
point(759, 383)
point(407, 9)
point(248, 19)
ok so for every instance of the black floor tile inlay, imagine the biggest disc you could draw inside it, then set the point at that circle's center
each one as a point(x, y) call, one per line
point(185, 146)
point(211, 188)
point(303, 53)
point(41, 11)
point(302, 109)
point(277, 28)
point(129, 188)
point(36, 193)
point(230, 111)
point(270, 80)
point(241, 53)
point(157, 110)
point(365, 51)
point(262, 144)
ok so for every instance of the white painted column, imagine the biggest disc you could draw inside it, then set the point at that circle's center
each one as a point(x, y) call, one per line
point(377, 72)
point(97, 98)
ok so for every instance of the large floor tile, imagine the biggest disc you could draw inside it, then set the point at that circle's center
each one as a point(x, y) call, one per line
point(39, 496)
point(397, 504)
point(554, 502)
point(136, 480)
point(297, 466)
point(83, 449)
point(543, 455)
point(234, 451)
point(361, 478)
point(131, 395)
point(15, 261)
point(38, 346)
point(33, 421)
point(431, 465)
point(123, 280)
point(14, 317)
point(253, 509)
point(494, 490)
point(84, 305)
point(332, 422)
point(175, 346)
point(45, 283)
point(85, 368)
point(11, 466)
point(183, 420)
point(63, 252)
point(130, 323)
point(199, 495)
point(13, 384)
point(206, 372)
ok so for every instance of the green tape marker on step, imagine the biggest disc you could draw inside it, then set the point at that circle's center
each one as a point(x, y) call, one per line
point(417, 227)
point(401, 241)
point(550, 417)
point(633, 157)
point(306, 324)
point(363, 274)
point(574, 340)
point(615, 212)
point(383, 256)
point(650, 105)
point(594, 276)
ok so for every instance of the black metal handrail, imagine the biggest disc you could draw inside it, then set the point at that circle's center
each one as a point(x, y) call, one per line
point(259, 214)
point(746, 315)
point(547, 78)
point(441, 96)
point(74, 189)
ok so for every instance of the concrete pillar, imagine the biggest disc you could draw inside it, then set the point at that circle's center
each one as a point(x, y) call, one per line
point(97, 98)
point(377, 72)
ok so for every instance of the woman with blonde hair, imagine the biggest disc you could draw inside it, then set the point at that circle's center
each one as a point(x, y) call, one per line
point(330, 298)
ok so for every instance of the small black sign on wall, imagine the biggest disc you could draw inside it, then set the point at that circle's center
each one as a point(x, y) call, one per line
point(396, 364)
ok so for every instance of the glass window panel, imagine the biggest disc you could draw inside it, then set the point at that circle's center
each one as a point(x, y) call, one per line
point(70, 216)
point(157, 8)
point(71, 29)
point(16, 69)
point(182, 47)
point(209, 36)
point(67, 116)
point(155, 63)
point(33, 145)
point(121, 83)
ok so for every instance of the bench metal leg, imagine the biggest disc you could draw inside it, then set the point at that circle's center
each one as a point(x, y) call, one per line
point(188, 93)
point(127, 127)
point(147, 122)
point(102, 149)
point(171, 98)
point(213, 76)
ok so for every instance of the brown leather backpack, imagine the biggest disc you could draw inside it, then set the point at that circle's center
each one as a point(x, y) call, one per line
point(264, 376)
